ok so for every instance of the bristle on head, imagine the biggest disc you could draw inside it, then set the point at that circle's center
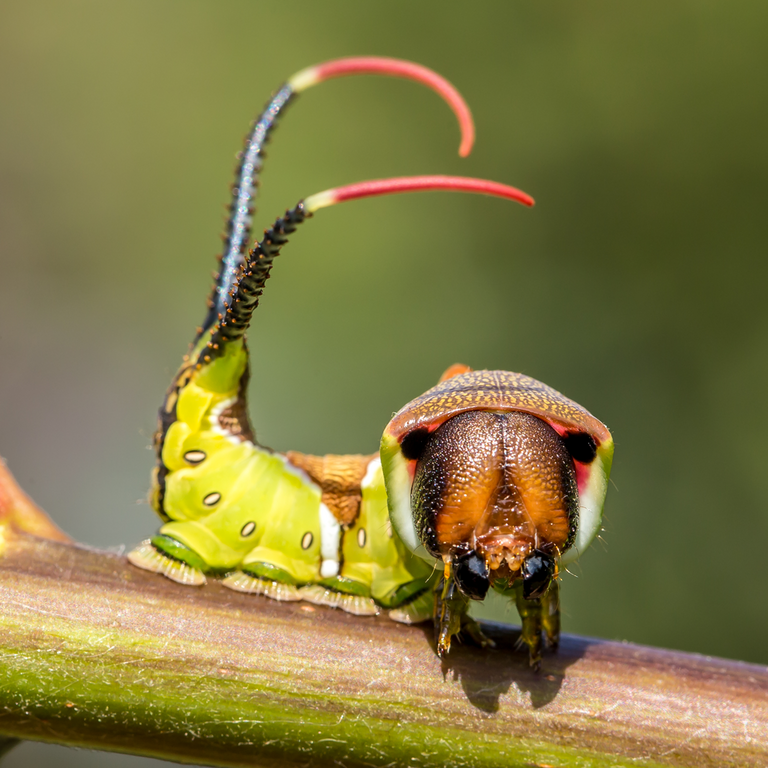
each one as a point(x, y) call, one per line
point(377, 65)
point(414, 184)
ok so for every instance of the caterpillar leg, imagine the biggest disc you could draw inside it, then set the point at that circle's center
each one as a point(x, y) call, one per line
point(151, 557)
point(531, 616)
point(451, 618)
point(450, 611)
point(417, 610)
point(239, 581)
point(359, 605)
point(550, 615)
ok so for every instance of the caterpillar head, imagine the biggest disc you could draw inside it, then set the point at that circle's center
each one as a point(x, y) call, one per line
point(499, 475)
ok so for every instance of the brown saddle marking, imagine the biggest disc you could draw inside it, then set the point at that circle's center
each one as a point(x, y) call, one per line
point(339, 478)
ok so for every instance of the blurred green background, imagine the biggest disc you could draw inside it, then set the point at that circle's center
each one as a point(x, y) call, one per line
point(636, 286)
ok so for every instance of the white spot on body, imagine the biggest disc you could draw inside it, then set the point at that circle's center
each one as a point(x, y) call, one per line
point(306, 540)
point(330, 542)
point(194, 457)
point(248, 529)
point(361, 538)
point(211, 499)
point(329, 569)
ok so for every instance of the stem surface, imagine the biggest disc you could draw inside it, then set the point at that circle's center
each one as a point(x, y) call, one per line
point(95, 653)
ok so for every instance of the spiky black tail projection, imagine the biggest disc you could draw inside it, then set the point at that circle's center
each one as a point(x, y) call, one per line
point(241, 207)
point(249, 284)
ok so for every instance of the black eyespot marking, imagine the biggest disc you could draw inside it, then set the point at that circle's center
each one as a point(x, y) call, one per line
point(306, 540)
point(412, 445)
point(470, 572)
point(581, 446)
point(194, 457)
point(248, 529)
point(211, 499)
point(538, 570)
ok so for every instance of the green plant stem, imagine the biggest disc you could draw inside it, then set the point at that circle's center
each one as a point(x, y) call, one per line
point(95, 653)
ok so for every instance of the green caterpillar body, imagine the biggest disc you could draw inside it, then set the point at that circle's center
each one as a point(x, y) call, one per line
point(287, 525)
point(489, 480)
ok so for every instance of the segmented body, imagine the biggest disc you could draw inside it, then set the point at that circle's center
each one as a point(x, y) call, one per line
point(262, 517)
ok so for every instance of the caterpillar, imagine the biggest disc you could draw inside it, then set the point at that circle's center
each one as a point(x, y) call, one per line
point(489, 480)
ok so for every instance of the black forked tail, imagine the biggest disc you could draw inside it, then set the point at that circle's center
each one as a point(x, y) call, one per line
point(241, 207)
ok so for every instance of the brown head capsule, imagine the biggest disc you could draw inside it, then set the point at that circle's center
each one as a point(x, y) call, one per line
point(498, 476)
point(499, 485)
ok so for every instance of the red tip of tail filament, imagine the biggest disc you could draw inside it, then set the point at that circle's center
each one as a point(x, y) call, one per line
point(378, 65)
point(415, 184)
